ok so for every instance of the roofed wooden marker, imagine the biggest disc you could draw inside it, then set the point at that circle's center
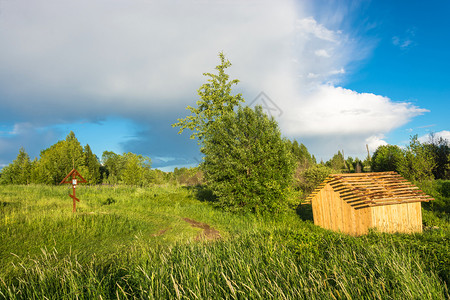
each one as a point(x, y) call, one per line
point(354, 202)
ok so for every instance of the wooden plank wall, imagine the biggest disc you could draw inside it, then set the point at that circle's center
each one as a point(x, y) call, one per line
point(364, 220)
point(404, 217)
point(331, 212)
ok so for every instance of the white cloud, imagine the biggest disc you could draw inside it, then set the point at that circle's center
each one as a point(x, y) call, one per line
point(336, 72)
point(322, 53)
point(444, 134)
point(309, 27)
point(342, 119)
point(334, 110)
point(374, 141)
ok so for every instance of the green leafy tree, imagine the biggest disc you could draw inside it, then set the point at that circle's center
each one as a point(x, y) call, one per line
point(19, 171)
point(133, 173)
point(440, 149)
point(247, 164)
point(309, 179)
point(34, 171)
point(114, 165)
point(92, 165)
point(136, 166)
point(215, 101)
point(417, 163)
point(337, 162)
point(156, 176)
point(188, 176)
point(129, 168)
point(349, 164)
point(301, 154)
point(73, 154)
point(386, 158)
point(59, 159)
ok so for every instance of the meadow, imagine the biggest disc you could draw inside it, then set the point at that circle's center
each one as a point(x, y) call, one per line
point(129, 242)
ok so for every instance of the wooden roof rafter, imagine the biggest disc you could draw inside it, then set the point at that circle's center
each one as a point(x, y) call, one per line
point(372, 189)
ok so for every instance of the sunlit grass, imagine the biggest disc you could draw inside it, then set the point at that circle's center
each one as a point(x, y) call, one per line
point(113, 248)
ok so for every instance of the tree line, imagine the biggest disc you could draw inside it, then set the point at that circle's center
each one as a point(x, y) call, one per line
point(59, 159)
point(247, 164)
point(418, 161)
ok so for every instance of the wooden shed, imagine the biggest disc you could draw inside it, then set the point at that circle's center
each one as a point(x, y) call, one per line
point(354, 202)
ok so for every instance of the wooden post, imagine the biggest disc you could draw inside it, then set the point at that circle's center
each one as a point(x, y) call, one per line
point(74, 181)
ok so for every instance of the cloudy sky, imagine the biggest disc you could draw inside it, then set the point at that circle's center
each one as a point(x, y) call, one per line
point(337, 75)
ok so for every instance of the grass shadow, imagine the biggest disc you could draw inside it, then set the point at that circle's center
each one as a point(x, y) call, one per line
point(9, 204)
point(202, 193)
point(305, 212)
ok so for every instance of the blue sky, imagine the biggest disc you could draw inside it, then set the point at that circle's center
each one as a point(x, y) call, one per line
point(338, 74)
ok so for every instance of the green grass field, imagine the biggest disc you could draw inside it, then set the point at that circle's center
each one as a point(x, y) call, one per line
point(126, 242)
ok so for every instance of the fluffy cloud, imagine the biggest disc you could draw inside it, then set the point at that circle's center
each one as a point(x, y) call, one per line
point(330, 110)
point(373, 142)
point(444, 134)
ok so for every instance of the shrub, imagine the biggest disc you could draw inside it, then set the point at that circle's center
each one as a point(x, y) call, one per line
point(247, 163)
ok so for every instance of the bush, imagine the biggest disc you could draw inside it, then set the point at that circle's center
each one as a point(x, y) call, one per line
point(386, 158)
point(247, 163)
point(309, 179)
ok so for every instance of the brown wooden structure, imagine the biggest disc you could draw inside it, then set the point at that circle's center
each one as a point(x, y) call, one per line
point(354, 202)
point(73, 178)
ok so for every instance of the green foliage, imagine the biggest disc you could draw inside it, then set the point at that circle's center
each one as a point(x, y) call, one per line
point(92, 165)
point(114, 166)
point(215, 101)
point(190, 177)
point(386, 158)
point(440, 191)
point(301, 156)
point(58, 160)
point(440, 150)
point(135, 166)
point(19, 171)
point(309, 179)
point(355, 165)
point(129, 168)
point(247, 164)
point(417, 163)
point(337, 162)
point(157, 177)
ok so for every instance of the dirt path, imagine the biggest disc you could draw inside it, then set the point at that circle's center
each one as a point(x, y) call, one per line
point(208, 232)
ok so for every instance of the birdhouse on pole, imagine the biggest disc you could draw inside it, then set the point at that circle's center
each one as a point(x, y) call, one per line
point(73, 178)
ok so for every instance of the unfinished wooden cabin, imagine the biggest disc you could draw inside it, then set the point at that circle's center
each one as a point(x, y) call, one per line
point(355, 202)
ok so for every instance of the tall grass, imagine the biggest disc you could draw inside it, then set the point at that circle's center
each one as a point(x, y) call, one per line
point(109, 249)
point(251, 266)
